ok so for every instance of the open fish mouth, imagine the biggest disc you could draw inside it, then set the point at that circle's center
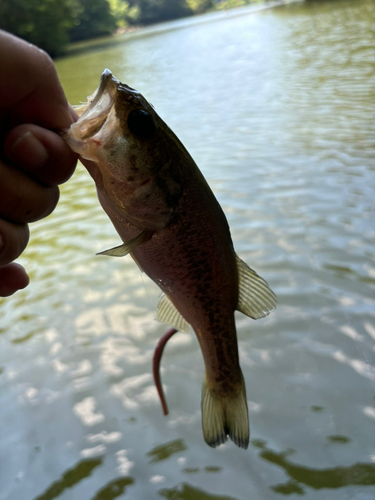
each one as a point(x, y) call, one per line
point(94, 113)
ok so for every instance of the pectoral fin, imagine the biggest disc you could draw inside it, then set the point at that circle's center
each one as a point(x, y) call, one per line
point(255, 298)
point(129, 246)
point(167, 313)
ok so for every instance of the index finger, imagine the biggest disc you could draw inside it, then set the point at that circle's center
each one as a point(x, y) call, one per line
point(30, 88)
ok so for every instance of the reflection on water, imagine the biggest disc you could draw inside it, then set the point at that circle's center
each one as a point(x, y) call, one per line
point(185, 491)
point(358, 474)
point(208, 468)
point(166, 450)
point(338, 439)
point(277, 109)
point(114, 489)
point(70, 478)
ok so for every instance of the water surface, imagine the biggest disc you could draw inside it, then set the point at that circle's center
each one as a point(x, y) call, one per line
point(277, 108)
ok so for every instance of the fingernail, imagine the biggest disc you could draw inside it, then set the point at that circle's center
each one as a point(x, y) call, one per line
point(28, 150)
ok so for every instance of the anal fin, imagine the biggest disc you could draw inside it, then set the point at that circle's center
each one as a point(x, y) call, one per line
point(129, 246)
point(168, 314)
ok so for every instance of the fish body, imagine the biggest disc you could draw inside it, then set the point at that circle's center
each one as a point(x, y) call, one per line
point(170, 221)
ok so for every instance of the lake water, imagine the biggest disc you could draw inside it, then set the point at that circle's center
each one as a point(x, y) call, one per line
point(277, 108)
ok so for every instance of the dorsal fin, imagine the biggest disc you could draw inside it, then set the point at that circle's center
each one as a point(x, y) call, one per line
point(255, 298)
point(167, 313)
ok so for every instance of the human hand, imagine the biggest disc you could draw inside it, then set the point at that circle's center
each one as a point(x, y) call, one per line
point(34, 159)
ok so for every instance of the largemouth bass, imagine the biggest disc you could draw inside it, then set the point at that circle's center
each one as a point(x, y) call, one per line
point(171, 223)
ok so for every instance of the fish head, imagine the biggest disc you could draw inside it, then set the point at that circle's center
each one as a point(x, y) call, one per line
point(123, 144)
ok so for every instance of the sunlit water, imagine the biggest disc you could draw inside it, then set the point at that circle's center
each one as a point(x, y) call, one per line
point(277, 108)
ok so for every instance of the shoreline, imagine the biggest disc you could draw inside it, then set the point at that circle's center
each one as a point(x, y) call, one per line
point(124, 34)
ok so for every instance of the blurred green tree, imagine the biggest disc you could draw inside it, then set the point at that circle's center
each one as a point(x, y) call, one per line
point(121, 11)
point(42, 22)
point(93, 20)
point(51, 24)
point(201, 6)
point(154, 11)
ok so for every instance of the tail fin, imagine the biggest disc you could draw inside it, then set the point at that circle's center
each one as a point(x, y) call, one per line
point(225, 416)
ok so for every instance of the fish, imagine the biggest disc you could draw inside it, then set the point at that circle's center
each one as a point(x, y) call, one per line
point(176, 231)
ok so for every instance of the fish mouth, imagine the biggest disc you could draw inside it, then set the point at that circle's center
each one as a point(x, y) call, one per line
point(94, 113)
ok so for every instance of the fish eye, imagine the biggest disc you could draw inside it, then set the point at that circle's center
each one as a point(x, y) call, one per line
point(141, 123)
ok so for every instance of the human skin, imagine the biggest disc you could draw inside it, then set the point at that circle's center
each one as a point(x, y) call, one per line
point(34, 159)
